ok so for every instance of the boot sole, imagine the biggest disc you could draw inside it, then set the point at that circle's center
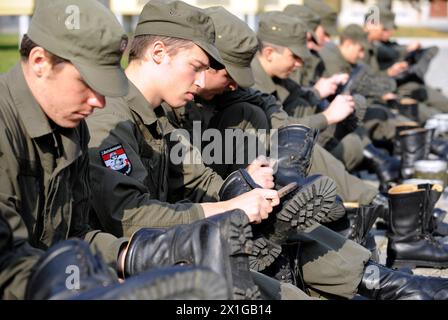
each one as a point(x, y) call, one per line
point(337, 212)
point(264, 254)
point(310, 205)
point(240, 247)
point(397, 264)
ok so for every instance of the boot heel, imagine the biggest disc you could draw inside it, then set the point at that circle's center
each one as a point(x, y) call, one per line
point(310, 204)
point(264, 254)
point(240, 247)
point(240, 235)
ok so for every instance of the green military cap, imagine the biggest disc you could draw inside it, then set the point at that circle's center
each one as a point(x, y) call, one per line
point(328, 17)
point(356, 33)
point(386, 18)
point(88, 35)
point(308, 16)
point(280, 29)
point(237, 45)
point(180, 20)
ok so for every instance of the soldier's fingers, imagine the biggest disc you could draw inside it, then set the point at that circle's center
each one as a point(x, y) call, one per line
point(268, 193)
point(261, 161)
point(266, 171)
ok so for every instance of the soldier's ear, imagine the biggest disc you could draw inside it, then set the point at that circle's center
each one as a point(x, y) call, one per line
point(38, 61)
point(267, 53)
point(156, 52)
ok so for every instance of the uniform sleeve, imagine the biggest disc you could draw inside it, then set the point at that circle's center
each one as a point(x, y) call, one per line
point(188, 176)
point(122, 202)
point(17, 257)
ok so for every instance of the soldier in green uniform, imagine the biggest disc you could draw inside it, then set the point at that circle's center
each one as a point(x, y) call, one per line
point(379, 122)
point(267, 73)
point(151, 180)
point(388, 57)
point(218, 100)
point(70, 60)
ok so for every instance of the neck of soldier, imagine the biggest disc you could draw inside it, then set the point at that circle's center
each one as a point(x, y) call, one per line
point(138, 75)
point(344, 52)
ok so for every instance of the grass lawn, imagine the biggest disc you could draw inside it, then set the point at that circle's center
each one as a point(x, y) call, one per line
point(9, 52)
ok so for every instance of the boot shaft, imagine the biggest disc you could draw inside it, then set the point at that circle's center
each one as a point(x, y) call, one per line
point(433, 194)
point(293, 148)
point(51, 279)
point(407, 206)
point(221, 243)
point(400, 127)
point(413, 147)
point(362, 219)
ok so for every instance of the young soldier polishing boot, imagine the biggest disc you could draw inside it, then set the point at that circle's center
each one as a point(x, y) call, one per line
point(221, 91)
point(62, 77)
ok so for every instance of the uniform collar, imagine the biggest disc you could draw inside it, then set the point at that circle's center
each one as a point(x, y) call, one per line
point(266, 83)
point(149, 115)
point(34, 119)
point(263, 81)
point(346, 65)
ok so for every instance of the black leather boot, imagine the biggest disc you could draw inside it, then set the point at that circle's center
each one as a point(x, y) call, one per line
point(410, 244)
point(292, 147)
point(304, 206)
point(440, 148)
point(433, 224)
point(361, 221)
point(429, 138)
point(413, 147)
point(168, 283)
point(387, 168)
point(402, 126)
point(69, 270)
point(356, 226)
point(221, 243)
point(381, 283)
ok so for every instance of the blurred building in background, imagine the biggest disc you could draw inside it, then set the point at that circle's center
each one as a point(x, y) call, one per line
point(14, 15)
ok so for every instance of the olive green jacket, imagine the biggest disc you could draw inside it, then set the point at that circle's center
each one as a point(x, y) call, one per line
point(297, 102)
point(312, 70)
point(44, 181)
point(146, 191)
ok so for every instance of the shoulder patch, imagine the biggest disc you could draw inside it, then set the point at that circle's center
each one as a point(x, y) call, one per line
point(115, 158)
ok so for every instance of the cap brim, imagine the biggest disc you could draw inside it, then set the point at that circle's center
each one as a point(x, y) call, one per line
point(243, 76)
point(330, 29)
point(313, 36)
point(109, 81)
point(300, 51)
point(389, 25)
point(213, 53)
